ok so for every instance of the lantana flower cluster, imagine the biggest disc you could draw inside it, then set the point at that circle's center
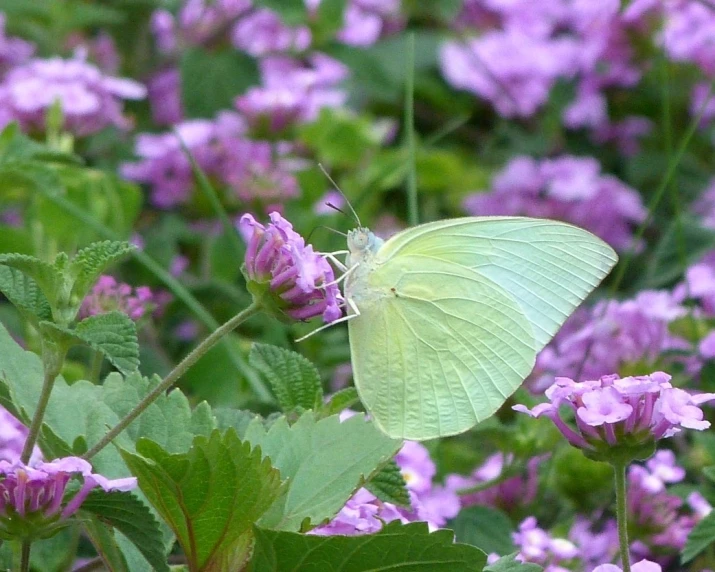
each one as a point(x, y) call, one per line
point(629, 413)
point(285, 275)
point(567, 188)
point(108, 295)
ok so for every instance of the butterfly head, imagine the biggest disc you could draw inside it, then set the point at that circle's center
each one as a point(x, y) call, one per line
point(361, 241)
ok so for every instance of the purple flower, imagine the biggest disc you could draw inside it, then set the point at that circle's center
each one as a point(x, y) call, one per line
point(566, 188)
point(12, 438)
point(286, 275)
point(539, 547)
point(262, 32)
point(108, 295)
point(364, 513)
point(90, 100)
point(507, 494)
point(640, 566)
point(32, 497)
point(164, 89)
point(623, 414)
point(13, 51)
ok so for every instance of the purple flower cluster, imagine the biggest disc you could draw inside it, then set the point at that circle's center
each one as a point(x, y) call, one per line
point(108, 295)
point(285, 274)
point(250, 170)
point(32, 497)
point(364, 513)
point(614, 412)
point(365, 21)
point(13, 51)
point(513, 53)
point(89, 99)
point(567, 188)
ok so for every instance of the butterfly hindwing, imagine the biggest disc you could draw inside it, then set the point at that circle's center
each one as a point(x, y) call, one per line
point(437, 348)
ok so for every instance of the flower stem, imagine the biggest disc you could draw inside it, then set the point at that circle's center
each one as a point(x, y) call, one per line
point(619, 472)
point(52, 359)
point(173, 376)
point(25, 557)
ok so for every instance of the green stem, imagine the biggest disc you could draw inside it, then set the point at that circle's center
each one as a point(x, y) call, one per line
point(52, 360)
point(25, 557)
point(174, 375)
point(619, 472)
point(95, 366)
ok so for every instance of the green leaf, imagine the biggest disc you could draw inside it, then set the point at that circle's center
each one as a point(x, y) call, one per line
point(45, 275)
point(328, 19)
point(485, 528)
point(702, 536)
point(709, 472)
point(295, 381)
point(89, 263)
point(210, 496)
point(339, 401)
point(395, 547)
point(292, 12)
point(389, 485)
point(325, 462)
point(125, 512)
point(16, 146)
point(23, 293)
point(237, 419)
point(210, 80)
point(19, 179)
point(683, 243)
point(511, 564)
point(105, 543)
point(114, 334)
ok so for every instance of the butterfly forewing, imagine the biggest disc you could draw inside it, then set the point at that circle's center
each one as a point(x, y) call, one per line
point(549, 267)
point(437, 347)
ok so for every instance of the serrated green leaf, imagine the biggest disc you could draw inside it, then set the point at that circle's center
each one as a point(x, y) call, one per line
point(339, 401)
point(114, 334)
point(702, 536)
point(237, 419)
point(45, 275)
point(89, 263)
point(23, 293)
point(125, 512)
point(511, 564)
point(81, 415)
point(396, 547)
point(210, 496)
point(484, 527)
point(105, 543)
point(389, 485)
point(325, 462)
point(210, 80)
point(294, 379)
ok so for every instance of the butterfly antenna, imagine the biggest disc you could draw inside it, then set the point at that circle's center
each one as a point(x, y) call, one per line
point(307, 238)
point(347, 201)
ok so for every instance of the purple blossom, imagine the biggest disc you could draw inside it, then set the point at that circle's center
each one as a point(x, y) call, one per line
point(286, 274)
point(90, 100)
point(13, 51)
point(364, 513)
point(567, 188)
point(164, 89)
point(596, 543)
point(613, 412)
point(640, 566)
point(508, 494)
point(108, 295)
point(262, 32)
point(594, 342)
point(293, 91)
point(32, 497)
point(12, 438)
point(539, 547)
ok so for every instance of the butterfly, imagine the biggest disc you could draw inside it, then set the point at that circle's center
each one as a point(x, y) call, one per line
point(446, 318)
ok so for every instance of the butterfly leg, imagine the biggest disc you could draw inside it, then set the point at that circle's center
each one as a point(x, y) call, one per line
point(341, 277)
point(331, 256)
point(355, 314)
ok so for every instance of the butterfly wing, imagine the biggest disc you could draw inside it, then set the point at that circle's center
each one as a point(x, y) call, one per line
point(548, 266)
point(452, 314)
point(436, 347)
